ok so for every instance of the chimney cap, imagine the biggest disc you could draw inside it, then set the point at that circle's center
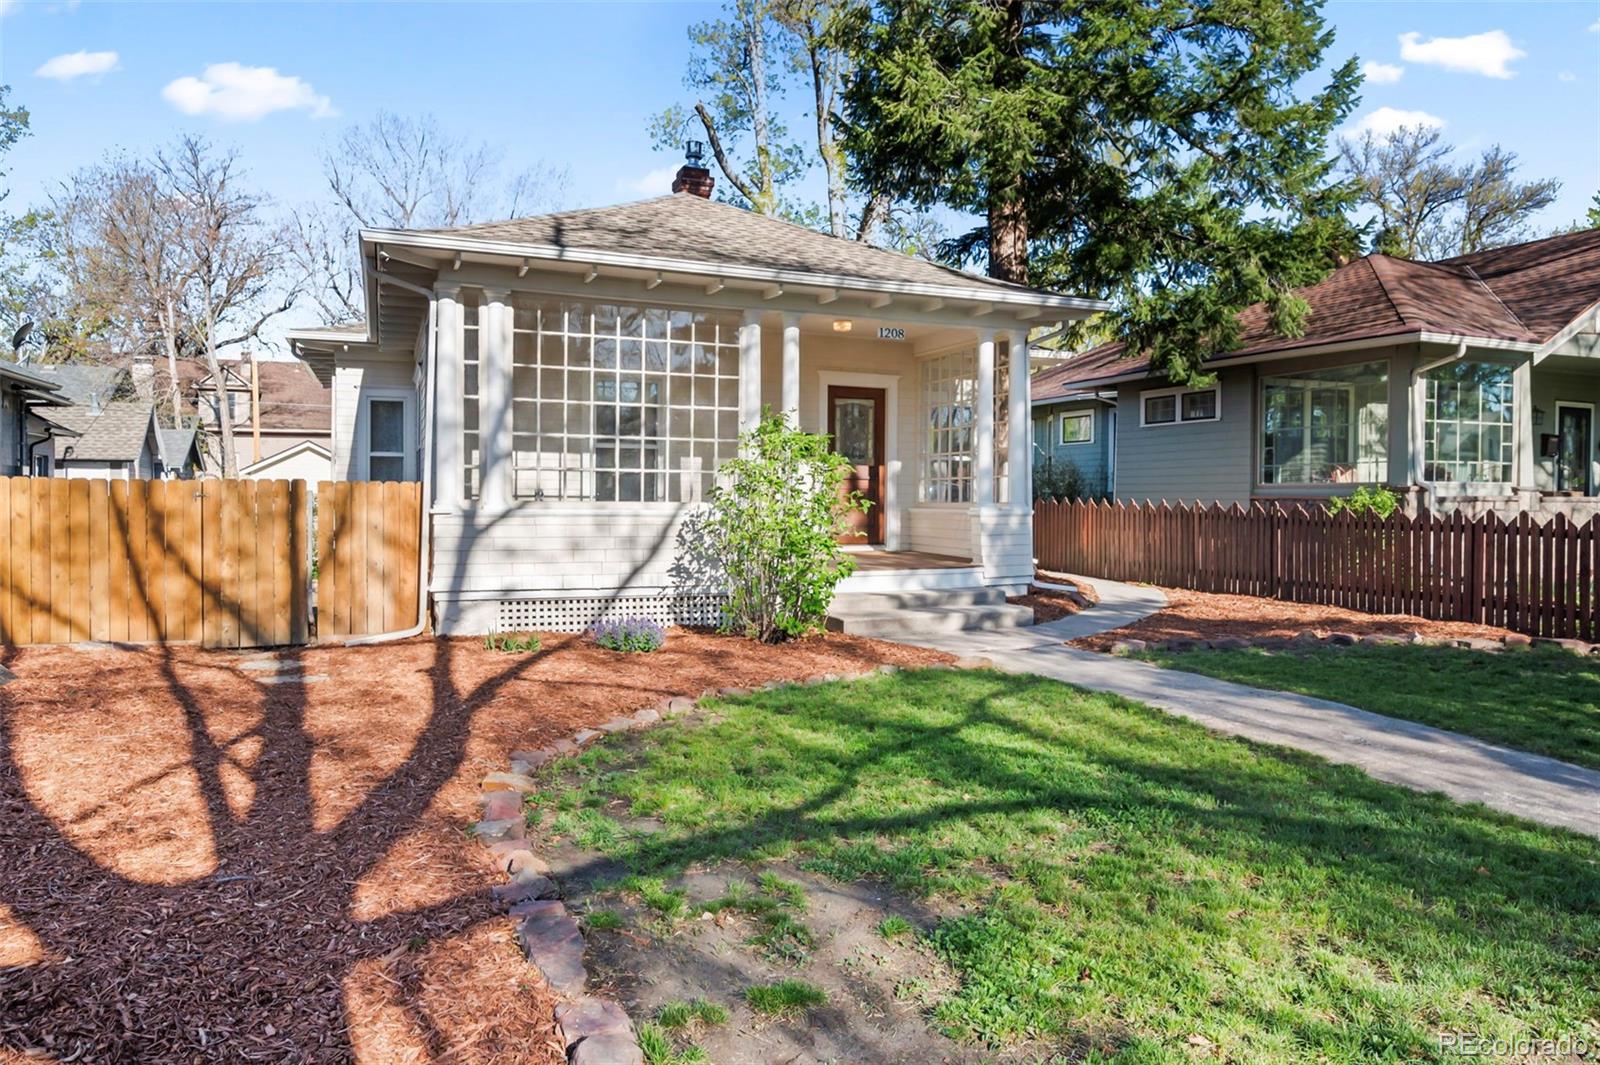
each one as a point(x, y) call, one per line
point(694, 153)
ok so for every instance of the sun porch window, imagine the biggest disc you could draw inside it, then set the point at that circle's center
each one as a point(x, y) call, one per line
point(1326, 426)
point(1468, 426)
point(949, 400)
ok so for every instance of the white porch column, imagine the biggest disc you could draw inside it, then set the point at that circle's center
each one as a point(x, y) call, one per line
point(1524, 437)
point(791, 369)
point(750, 371)
point(494, 400)
point(983, 437)
point(1019, 459)
point(447, 398)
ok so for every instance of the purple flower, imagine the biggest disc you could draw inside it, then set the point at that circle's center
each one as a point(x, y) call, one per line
point(627, 634)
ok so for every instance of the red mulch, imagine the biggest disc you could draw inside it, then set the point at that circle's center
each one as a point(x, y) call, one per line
point(1049, 605)
point(194, 866)
point(1205, 615)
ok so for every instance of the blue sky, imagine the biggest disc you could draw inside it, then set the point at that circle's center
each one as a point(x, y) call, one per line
point(575, 84)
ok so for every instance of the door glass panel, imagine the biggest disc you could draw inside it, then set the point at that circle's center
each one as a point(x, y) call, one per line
point(853, 435)
point(388, 425)
point(1572, 465)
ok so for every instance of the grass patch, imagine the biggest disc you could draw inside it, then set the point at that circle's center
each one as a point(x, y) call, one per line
point(603, 921)
point(668, 903)
point(1133, 873)
point(785, 998)
point(1546, 700)
point(659, 1049)
point(680, 1015)
point(894, 927)
point(512, 643)
point(782, 938)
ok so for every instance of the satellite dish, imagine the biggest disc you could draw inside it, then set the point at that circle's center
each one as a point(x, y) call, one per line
point(20, 336)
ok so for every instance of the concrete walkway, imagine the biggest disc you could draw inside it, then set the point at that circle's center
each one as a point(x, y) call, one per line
point(1399, 752)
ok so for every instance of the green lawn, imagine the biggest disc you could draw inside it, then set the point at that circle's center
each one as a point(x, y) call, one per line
point(1544, 700)
point(1146, 892)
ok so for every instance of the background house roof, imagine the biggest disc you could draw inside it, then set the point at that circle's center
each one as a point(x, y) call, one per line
point(82, 382)
point(292, 399)
point(117, 433)
point(176, 446)
point(688, 227)
point(1524, 294)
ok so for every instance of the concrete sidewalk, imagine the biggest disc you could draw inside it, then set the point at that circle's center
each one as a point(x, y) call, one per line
point(1400, 752)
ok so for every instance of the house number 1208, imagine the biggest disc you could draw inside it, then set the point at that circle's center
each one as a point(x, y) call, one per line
point(891, 332)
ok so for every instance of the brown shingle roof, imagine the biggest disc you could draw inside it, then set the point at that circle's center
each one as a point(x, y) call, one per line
point(684, 226)
point(291, 396)
point(1525, 293)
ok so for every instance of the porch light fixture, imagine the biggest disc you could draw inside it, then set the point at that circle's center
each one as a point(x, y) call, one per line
point(843, 325)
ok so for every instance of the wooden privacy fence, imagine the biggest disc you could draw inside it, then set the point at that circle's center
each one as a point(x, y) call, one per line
point(367, 544)
point(223, 563)
point(1529, 576)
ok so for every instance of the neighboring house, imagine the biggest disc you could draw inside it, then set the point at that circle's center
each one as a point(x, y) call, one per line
point(286, 435)
point(180, 453)
point(567, 386)
point(1471, 383)
point(114, 441)
point(1073, 430)
point(27, 432)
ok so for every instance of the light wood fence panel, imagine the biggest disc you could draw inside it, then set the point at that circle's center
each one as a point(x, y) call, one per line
point(368, 544)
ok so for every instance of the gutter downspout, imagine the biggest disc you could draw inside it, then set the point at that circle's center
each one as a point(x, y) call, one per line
point(430, 377)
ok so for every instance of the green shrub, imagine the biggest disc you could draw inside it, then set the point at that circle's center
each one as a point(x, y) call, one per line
point(774, 526)
point(1365, 500)
point(1059, 480)
point(512, 643)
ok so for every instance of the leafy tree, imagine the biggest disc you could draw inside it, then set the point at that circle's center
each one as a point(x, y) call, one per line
point(1155, 152)
point(1429, 206)
point(1592, 219)
point(774, 526)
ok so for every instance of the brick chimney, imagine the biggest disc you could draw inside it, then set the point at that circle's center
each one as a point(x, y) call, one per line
point(693, 177)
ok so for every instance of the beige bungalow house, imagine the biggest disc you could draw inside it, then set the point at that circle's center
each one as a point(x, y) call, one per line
point(566, 386)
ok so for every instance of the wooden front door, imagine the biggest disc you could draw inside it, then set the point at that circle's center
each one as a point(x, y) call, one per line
point(855, 424)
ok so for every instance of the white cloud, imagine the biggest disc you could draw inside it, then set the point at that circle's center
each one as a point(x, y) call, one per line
point(1566, 77)
point(1488, 53)
point(77, 65)
point(1594, 27)
point(237, 93)
point(8, 6)
point(1381, 73)
point(657, 182)
point(1387, 120)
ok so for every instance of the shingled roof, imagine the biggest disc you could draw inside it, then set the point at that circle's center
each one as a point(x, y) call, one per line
point(690, 228)
point(115, 433)
point(1524, 294)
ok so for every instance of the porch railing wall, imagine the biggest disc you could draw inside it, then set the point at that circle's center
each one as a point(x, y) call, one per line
point(1532, 577)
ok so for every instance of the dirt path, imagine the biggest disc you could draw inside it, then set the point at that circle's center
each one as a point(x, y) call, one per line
point(195, 862)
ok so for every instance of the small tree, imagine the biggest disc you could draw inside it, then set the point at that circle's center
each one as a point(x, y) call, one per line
point(774, 526)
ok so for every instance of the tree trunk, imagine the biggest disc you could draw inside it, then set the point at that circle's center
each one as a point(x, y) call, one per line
point(755, 41)
point(230, 462)
point(832, 159)
point(169, 330)
point(1008, 207)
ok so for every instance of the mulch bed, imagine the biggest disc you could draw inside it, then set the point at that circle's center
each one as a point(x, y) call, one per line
point(196, 865)
point(1206, 615)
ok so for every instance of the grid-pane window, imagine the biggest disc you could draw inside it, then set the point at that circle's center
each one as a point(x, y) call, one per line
point(621, 403)
point(1467, 424)
point(1326, 426)
point(949, 398)
point(469, 393)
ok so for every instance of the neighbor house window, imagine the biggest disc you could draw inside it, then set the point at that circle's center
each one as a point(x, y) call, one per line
point(620, 403)
point(1326, 426)
point(949, 396)
point(386, 440)
point(1467, 424)
point(1077, 427)
point(1177, 405)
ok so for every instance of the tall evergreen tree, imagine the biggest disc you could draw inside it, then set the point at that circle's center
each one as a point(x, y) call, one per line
point(1155, 152)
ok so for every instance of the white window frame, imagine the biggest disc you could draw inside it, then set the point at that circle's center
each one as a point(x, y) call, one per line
point(1425, 400)
point(1178, 394)
point(1061, 428)
point(363, 433)
point(1307, 386)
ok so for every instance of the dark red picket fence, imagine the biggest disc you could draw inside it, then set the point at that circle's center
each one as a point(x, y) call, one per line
point(1531, 576)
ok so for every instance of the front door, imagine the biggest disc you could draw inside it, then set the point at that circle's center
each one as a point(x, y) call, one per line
point(855, 423)
point(1573, 461)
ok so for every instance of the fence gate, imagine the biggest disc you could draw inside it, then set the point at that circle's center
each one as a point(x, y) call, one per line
point(368, 537)
point(218, 562)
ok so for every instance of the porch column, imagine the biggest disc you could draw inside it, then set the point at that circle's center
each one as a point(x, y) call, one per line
point(983, 436)
point(791, 369)
point(494, 400)
point(1523, 438)
point(1019, 460)
point(447, 398)
point(750, 371)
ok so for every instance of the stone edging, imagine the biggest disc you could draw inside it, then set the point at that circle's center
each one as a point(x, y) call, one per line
point(594, 1030)
point(1308, 638)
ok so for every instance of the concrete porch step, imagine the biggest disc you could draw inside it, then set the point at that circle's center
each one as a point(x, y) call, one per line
point(967, 610)
point(856, 604)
